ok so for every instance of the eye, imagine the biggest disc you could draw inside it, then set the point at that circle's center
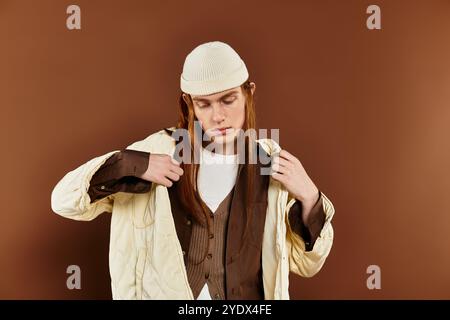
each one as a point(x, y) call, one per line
point(202, 106)
point(229, 101)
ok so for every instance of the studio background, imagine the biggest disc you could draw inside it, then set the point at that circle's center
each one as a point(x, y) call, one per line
point(366, 111)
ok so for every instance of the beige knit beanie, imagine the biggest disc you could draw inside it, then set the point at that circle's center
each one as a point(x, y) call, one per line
point(212, 67)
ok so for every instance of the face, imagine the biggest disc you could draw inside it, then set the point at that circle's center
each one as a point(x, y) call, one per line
point(221, 114)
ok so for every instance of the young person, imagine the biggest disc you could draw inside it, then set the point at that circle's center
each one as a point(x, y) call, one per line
point(204, 221)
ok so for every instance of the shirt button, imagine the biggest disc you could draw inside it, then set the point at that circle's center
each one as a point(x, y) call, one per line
point(188, 222)
point(102, 187)
point(207, 275)
point(209, 256)
point(217, 296)
point(184, 253)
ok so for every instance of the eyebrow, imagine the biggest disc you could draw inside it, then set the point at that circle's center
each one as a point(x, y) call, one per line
point(220, 98)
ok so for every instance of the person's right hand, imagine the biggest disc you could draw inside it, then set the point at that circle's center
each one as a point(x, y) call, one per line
point(162, 169)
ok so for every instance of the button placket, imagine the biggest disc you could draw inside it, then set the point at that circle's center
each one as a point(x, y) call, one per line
point(209, 256)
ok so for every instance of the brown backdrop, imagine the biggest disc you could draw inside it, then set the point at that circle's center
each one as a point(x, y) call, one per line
point(367, 112)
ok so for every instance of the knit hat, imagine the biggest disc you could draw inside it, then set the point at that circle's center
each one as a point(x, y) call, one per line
point(212, 67)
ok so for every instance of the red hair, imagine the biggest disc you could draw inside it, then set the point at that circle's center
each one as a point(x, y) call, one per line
point(187, 189)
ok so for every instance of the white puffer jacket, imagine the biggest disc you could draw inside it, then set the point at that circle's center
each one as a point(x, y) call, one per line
point(145, 257)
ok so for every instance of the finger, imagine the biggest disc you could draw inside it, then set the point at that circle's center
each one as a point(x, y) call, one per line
point(175, 162)
point(172, 176)
point(176, 170)
point(169, 160)
point(283, 162)
point(278, 177)
point(288, 156)
point(280, 169)
point(166, 182)
point(276, 159)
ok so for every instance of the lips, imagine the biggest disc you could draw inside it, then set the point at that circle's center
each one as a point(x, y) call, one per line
point(222, 130)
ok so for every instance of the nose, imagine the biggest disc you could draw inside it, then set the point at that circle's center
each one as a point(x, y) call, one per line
point(218, 114)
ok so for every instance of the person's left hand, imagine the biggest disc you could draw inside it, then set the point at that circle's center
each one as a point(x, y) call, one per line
point(288, 170)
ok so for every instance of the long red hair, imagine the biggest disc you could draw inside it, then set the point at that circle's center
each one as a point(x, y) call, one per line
point(187, 185)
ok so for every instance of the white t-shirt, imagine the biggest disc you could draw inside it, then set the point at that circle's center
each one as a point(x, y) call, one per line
point(216, 177)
